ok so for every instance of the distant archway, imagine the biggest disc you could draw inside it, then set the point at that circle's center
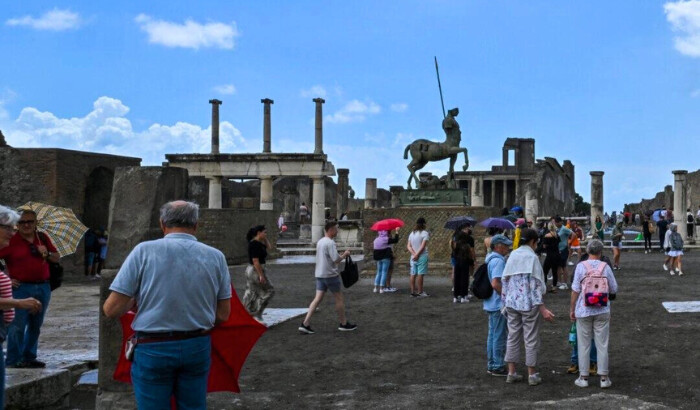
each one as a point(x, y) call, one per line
point(98, 193)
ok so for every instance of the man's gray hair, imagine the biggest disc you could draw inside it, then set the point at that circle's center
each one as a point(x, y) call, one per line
point(595, 247)
point(8, 216)
point(179, 214)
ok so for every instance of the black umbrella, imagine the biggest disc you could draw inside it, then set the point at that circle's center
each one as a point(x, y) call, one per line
point(458, 221)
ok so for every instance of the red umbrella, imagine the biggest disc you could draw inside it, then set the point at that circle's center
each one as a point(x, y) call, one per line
point(231, 342)
point(387, 225)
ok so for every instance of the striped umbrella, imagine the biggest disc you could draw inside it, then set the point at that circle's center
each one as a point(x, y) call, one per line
point(61, 224)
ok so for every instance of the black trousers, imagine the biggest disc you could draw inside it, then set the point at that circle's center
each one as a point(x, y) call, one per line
point(662, 236)
point(691, 231)
point(647, 241)
point(461, 278)
point(551, 262)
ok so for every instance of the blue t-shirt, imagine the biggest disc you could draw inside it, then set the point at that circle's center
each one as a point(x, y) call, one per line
point(564, 234)
point(496, 263)
point(177, 283)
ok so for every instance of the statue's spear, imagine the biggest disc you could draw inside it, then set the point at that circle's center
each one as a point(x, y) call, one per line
point(440, 87)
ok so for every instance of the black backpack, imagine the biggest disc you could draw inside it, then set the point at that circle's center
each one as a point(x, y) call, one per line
point(691, 219)
point(481, 286)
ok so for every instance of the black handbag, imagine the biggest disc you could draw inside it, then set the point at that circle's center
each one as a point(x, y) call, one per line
point(55, 275)
point(350, 274)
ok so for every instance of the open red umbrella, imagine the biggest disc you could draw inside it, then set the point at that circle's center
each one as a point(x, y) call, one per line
point(387, 225)
point(231, 342)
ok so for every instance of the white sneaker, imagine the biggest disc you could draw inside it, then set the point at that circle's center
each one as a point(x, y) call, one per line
point(381, 290)
point(673, 273)
point(465, 300)
point(680, 273)
point(581, 382)
point(456, 300)
point(604, 384)
point(549, 277)
point(375, 290)
point(390, 290)
point(665, 267)
point(571, 263)
point(563, 286)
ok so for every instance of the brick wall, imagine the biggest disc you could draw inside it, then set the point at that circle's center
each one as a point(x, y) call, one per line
point(439, 237)
point(225, 229)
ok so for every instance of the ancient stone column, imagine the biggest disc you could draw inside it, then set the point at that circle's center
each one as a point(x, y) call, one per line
point(680, 202)
point(477, 197)
point(267, 126)
point(319, 125)
point(370, 193)
point(596, 196)
point(215, 125)
point(266, 194)
point(493, 193)
point(318, 209)
point(532, 203)
point(342, 191)
point(395, 195)
point(215, 192)
point(505, 194)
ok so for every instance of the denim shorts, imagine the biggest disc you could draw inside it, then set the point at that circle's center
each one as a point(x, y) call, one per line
point(563, 257)
point(325, 284)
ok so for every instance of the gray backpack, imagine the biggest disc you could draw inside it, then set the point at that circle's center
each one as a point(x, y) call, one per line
point(676, 241)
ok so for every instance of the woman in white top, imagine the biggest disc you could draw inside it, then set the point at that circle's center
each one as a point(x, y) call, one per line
point(418, 247)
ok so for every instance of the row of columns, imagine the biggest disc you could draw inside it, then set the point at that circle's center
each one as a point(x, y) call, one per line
point(477, 190)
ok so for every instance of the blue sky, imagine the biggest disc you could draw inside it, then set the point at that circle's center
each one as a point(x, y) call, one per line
point(612, 86)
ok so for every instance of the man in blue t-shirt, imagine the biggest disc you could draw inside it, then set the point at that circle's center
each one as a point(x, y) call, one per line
point(498, 330)
point(564, 235)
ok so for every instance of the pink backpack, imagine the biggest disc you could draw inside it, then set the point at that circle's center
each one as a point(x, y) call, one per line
point(595, 285)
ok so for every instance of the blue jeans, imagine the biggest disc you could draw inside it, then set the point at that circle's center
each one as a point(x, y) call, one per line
point(23, 332)
point(496, 342)
point(382, 270)
point(2, 379)
point(574, 354)
point(163, 369)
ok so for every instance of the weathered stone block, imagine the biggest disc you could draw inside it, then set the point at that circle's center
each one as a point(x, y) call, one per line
point(137, 195)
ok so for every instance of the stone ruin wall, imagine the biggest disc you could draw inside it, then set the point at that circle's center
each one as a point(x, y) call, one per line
point(665, 197)
point(555, 187)
point(439, 243)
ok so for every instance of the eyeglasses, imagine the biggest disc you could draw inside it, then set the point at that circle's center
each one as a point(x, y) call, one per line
point(29, 222)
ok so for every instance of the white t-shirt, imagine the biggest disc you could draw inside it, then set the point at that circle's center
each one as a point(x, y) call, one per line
point(416, 239)
point(326, 255)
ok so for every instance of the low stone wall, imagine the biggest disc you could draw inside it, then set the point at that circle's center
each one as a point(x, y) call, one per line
point(439, 244)
point(225, 229)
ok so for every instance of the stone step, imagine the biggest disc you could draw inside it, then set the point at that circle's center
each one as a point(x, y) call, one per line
point(312, 251)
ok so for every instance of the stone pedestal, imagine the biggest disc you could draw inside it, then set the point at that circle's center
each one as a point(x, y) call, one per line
point(596, 196)
point(267, 126)
point(137, 195)
point(215, 125)
point(215, 192)
point(532, 204)
point(680, 202)
point(342, 191)
point(477, 194)
point(266, 194)
point(318, 219)
point(395, 195)
point(111, 394)
point(319, 125)
point(370, 193)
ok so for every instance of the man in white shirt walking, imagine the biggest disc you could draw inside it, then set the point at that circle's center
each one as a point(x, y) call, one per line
point(328, 278)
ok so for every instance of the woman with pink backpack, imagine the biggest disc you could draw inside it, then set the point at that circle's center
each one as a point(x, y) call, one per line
point(591, 290)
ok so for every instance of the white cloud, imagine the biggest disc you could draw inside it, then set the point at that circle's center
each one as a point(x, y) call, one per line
point(54, 20)
point(684, 17)
point(399, 107)
point(315, 91)
point(106, 129)
point(191, 34)
point(353, 111)
point(225, 89)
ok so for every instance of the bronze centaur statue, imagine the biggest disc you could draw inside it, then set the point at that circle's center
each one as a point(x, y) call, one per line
point(424, 151)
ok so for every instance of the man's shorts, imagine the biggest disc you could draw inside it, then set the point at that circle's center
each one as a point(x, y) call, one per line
point(326, 284)
point(419, 267)
point(563, 257)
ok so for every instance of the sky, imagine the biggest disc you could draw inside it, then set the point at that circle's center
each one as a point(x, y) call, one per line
point(611, 86)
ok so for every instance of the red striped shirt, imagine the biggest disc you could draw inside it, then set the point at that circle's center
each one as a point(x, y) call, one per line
point(6, 293)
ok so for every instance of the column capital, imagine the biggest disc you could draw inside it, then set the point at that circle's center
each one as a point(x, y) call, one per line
point(267, 101)
point(597, 173)
point(343, 171)
point(679, 172)
point(215, 102)
point(319, 100)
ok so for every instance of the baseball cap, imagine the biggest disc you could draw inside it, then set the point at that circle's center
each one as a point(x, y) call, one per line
point(496, 239)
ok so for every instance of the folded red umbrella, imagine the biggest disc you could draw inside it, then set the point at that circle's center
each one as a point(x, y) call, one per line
point(231, 342)
point(387, 225)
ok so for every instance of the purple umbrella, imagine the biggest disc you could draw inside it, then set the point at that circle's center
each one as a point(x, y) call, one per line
point(499, 223)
